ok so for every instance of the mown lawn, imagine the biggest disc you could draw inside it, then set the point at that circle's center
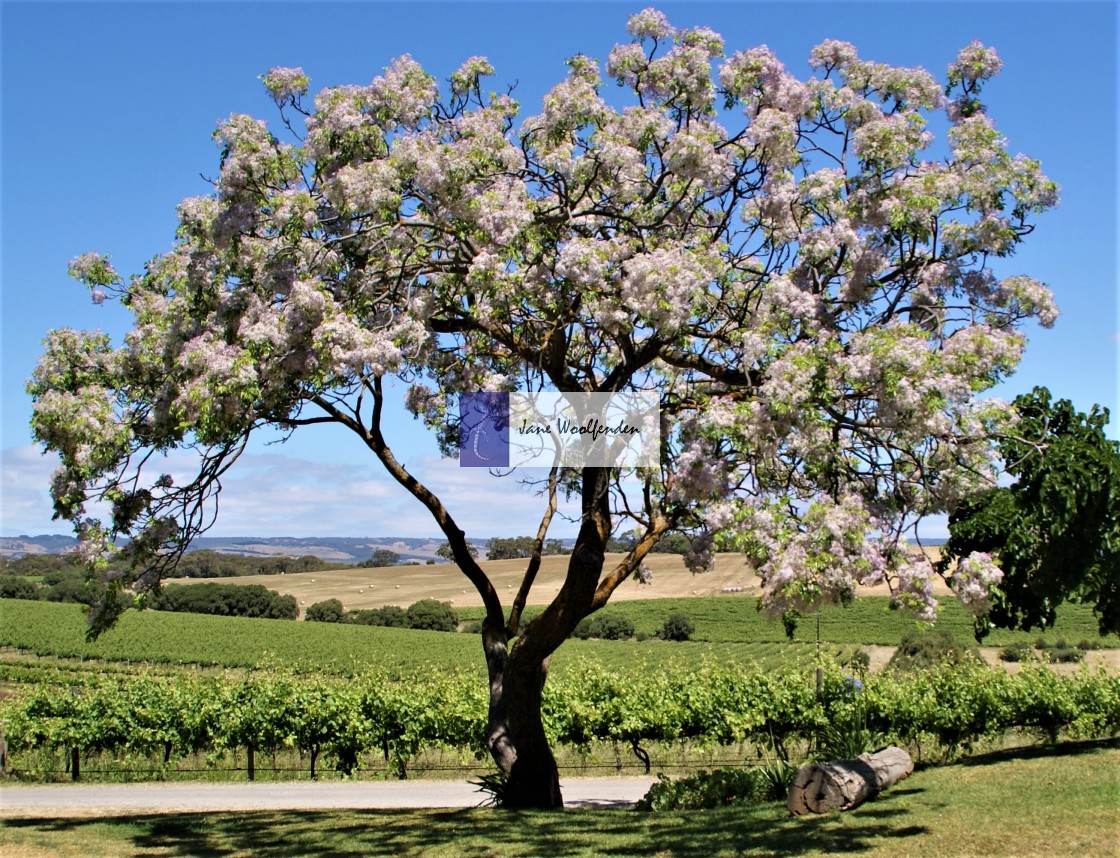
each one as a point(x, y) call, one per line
point(1050, 802)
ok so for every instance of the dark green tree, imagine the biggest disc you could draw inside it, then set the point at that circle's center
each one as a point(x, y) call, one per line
point(607, 626)
point(1055, 531)
point(445, 552)
point(17, 587)
point(390, 615)
point(327, 611)
point(431, 615)
point(381, 557)
point(677, 627)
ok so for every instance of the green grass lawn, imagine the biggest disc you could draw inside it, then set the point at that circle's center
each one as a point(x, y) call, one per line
point(1049, 803)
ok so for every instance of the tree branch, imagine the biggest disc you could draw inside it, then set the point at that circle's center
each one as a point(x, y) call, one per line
point(535, 559)
point(374, 439)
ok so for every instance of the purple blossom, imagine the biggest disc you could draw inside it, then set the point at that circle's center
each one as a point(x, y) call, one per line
point(649, 24)
point(93, 269)
point(285, 84)
point(975, 63)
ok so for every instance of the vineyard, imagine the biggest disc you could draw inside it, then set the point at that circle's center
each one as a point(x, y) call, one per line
point(152, 637)
point(868, 620)
point(363, 700)
point(344, 723)
point(727, 630)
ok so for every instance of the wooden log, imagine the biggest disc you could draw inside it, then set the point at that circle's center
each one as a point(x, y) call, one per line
point(842, 785)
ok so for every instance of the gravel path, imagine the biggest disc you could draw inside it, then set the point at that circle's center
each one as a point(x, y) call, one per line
point(86, 799)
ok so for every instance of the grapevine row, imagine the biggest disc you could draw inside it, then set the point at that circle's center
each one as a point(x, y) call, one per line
point(175, 716)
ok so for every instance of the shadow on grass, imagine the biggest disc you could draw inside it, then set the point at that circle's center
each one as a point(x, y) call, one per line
point(1035, 752)
point(765, 830)
point(898, 817)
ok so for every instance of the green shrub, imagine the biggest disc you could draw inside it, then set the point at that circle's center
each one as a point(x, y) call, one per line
point(1061, 652)
point(226, 600)
point(1016, 652)
point(390, 616)
point(17, 587)
point(431, 615)
point(492, 786)
point(1087, 645)
point(607, 626)
point(327, 611)
point(677, 627)
point(920, 650)
point(777, 777)
point(68, 585)
point(705, 789)
point(1065, 655)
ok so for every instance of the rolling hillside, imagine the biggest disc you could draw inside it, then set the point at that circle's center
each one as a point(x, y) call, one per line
point(403, 585)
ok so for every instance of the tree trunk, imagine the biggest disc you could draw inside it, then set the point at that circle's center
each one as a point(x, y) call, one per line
point(823, 787)
point(532, 778)
point(515, 732)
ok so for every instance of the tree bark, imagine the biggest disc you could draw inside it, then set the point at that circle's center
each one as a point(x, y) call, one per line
point(515, 732)
point(532, 778)
point(823, 787)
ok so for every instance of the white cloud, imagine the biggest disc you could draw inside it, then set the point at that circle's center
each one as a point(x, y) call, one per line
point(25, 501)
point(485, 505)
point(269, 493)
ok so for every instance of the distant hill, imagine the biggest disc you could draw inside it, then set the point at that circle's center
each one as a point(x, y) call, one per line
point(341, 549)
point(18, 546)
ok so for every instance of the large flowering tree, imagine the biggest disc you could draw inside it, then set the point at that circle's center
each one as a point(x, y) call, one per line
point(791, 265)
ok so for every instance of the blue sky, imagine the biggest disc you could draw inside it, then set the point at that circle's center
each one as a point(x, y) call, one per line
point(108, 110)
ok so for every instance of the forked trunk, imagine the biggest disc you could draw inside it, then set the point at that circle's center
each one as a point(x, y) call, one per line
point(515, 732)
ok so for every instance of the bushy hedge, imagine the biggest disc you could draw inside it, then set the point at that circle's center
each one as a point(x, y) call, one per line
point(431, 615)
point(229, 600)
point(62, 582)
point(920, 650)
point(18, 587)
point(606, 626)
point(327, 611)
point(427, 614)
point(390, 616)
point(677, 627)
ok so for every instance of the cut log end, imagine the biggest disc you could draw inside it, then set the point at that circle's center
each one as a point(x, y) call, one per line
point(842, 785)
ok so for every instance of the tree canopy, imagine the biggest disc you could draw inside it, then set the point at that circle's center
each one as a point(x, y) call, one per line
point(793, 266)
point(381, 557)
point(1054, 532)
